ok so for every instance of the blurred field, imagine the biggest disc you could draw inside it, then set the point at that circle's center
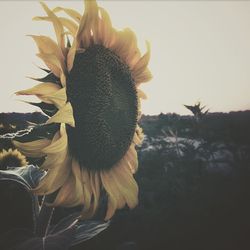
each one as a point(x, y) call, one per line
point(194, 179)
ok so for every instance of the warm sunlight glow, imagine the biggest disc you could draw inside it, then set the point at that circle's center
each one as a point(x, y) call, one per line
point(200, 51)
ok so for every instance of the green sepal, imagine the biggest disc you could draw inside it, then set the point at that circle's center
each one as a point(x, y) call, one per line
point(48, 109)
point(49, 78)
point(46, 70)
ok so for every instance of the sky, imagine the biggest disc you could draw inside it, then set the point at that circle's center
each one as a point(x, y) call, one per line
point(200, 51)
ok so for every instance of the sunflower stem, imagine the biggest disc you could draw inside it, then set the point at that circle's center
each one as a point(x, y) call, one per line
point(45, 216)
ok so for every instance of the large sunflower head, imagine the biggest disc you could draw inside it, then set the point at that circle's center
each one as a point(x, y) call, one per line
point(92, 92)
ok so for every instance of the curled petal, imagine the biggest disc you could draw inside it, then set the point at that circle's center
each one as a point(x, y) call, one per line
point(140, 73)
point(47, 46)
point(72, 13)
point(126, 47)
point(32, 149)
point(70, 25)
point(57, 26)
point(143, 62)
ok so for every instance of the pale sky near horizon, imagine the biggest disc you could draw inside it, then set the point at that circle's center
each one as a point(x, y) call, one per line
point(200, 51)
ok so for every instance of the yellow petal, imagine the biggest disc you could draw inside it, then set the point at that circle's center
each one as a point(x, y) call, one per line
point(81, 28)
point(66, 195)
point(72, 13)
point(71, 193)
point(63, 79)
point(70, 25)
point(133, 54)
point(59, 145)
point(53, 160)
point(71, 55)
point(95, 187)
point(53, 63)
point(126, 47)
point(40, 89)
point(32, 149)
point(143, 77)
point(136, 139)
point(56, 157)
point(87, 191)
point(140, 73)
point(91, 8)
point(112, 198)
point(139, 131)
point(126, 183)
point(57, 26)
point(141, 94)
point(64, 115)
point(57, 98)
point(138, 136)
point(131, 158)
point(76, 171)
point(88, 24)
point(67, 190)
point(47, 46)
point(105, 29)
point(139, 109)
point(55, 178)
point(143, 62)
point(113, 187)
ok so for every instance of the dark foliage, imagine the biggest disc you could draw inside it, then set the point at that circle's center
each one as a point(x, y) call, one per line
point(184, 202)
point(10, 123)
point(194, 192)
point(233, 127)
point(20, 120)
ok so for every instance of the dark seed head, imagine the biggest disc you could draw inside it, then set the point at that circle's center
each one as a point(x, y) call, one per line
point(102, 93)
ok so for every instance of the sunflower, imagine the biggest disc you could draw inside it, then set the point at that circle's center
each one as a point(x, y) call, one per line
point(12, 158)
point(92, 93)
